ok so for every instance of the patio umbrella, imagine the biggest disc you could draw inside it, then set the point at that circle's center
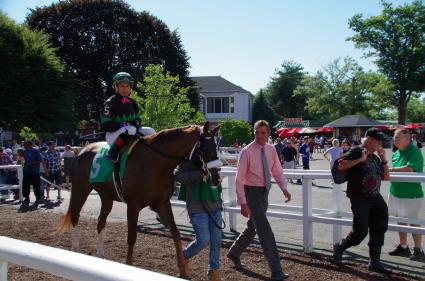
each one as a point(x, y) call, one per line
point(325, 130)
point(413, 126)
point(308, 130)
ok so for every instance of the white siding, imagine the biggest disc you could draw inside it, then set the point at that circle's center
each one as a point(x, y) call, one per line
point(242, 107)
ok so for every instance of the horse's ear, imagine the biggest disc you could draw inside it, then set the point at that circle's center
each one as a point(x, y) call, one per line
point(215, 130)
point(206, 127)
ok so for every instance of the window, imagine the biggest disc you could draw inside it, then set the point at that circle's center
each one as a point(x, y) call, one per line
point(220, 105)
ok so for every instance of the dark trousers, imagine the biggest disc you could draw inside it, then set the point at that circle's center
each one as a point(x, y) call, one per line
point(28, 180)
point(257, 200)
point(369, 215)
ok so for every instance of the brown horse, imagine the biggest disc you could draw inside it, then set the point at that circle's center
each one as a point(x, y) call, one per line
point(148, 181)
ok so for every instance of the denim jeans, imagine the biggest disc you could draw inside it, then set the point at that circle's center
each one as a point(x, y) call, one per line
point(207, 233)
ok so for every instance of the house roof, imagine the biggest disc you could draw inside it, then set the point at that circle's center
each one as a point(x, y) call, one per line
point(216, 84)
point(353, 121)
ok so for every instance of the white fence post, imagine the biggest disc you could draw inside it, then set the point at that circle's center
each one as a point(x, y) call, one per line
point(307, 213)
point(21, 179)
point(3, 270)
point(336, 206)
point(231, 182)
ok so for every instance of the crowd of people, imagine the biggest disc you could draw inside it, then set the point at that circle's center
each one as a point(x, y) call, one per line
point(43, 166)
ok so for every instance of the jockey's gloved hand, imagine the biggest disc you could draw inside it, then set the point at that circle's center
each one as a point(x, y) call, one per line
point(131, 130)
point(123, 124)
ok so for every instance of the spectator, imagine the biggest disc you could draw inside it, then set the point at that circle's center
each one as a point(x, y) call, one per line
point(5, 159)
point(236, 144)
point(52, 166)
point(68, 157)
point(15, 147)
point(370, 212)
point(346, 146)
point(304, 151)
point(289, 154)
point(279, 146)
point(311, 146)
point(253, 184)
point(406, 198)
point(415, 141)
point(333, 153)
point(204, 209)
point(32, 160)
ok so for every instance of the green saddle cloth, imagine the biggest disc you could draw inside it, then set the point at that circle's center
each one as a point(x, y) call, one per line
point(102, 167)
point(202, 191)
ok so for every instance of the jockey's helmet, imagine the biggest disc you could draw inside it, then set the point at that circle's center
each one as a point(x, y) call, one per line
point(122, 77)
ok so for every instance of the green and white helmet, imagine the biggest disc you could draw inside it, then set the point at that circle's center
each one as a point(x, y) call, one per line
point(122, 77)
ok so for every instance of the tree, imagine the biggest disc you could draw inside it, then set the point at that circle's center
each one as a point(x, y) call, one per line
point(96, 39)
point(280, 91)
point(165, 103)
point(35, 91)
point(232, 130)
point(342, 88)
point(261, 109)
point(27, 134)
point(416, 110)
point(396, 39)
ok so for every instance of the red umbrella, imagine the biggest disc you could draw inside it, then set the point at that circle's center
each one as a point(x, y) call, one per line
point(325, 130)
point(413, 126)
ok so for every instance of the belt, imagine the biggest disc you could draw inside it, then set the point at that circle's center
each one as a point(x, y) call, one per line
point(253, 186)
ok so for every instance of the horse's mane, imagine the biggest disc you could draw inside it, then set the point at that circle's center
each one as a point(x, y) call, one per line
point(169, 135)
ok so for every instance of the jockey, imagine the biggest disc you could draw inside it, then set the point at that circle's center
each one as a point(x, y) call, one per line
point(120, 116)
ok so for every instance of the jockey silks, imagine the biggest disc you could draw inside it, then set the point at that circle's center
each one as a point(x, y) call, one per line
point(118, 112)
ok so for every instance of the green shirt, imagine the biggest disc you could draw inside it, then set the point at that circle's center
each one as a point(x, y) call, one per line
point(411, 156)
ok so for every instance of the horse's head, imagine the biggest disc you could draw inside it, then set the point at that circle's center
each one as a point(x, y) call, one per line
point(207, 154)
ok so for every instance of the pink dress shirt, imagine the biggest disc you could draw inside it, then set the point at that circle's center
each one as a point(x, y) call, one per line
point(250, 169)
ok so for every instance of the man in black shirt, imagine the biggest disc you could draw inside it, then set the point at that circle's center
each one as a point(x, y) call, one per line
point(370, 212)
point(289, 153)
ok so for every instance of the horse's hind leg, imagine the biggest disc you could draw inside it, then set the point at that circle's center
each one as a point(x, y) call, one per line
point(101, 222)
point(132, 217)
point(166, 214)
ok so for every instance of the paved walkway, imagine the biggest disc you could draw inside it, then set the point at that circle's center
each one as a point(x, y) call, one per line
point(288, 232)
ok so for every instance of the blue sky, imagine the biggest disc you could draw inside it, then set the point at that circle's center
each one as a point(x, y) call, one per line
point(245, 41)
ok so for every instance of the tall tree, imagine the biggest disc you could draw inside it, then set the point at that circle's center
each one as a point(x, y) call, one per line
point(280, 91)
point(342, 88)
point(165, 103)
point(96, 39)
point(396, 39)
point(261, 109)
point(34, 89)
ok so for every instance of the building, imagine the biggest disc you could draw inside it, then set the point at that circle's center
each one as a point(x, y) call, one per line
point(220, 99)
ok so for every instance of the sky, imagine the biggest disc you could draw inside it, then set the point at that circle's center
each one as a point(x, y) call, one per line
point(246, 41)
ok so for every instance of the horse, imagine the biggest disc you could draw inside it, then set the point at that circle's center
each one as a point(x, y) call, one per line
point(148, 180)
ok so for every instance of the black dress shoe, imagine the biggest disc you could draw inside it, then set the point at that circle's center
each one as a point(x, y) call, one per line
point(379, 268)
point(279, 276)
point(236, 261)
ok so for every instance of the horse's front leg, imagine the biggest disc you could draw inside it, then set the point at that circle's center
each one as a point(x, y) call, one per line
point(166, 214)
point(132, 217)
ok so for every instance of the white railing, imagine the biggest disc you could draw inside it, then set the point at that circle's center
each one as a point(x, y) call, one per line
point(67, 264)
point(309, 215)
point(20, 177)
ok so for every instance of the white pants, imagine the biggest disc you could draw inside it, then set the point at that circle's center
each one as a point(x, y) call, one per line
point(405, 207)
point(112, 136)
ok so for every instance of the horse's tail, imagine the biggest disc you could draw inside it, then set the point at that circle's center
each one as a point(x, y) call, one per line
point(79, 192)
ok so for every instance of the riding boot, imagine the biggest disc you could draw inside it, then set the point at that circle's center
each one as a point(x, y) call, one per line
point(375, 261)
point(113, 153)
point(117, 176)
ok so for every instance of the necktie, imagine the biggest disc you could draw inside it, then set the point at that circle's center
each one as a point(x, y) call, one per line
point(266, 170)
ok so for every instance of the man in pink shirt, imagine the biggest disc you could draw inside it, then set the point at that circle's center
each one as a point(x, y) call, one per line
point(253, 181)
